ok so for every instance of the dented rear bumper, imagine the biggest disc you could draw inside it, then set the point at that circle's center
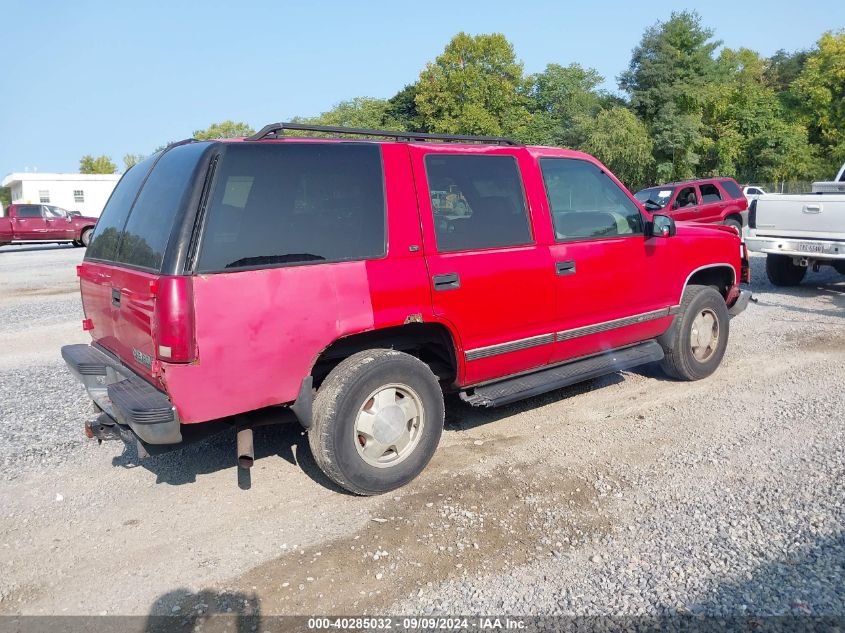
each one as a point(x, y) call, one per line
point(124, 396)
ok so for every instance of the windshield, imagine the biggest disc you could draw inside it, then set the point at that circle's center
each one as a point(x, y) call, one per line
point(657, 195)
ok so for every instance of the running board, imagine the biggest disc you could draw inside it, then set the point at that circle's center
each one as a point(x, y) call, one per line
point(512, 389)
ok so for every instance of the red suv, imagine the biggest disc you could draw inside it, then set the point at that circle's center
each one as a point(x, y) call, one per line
point(707, 200)
point(356, 281)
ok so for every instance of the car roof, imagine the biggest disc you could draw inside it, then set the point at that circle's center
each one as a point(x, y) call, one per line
point(538, 150)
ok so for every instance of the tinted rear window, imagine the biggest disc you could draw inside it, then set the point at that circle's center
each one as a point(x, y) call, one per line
point(163, 195)
point(28, 211)
point(137, 227)
point(294, 203)
point(732, 188)
point(109, 227)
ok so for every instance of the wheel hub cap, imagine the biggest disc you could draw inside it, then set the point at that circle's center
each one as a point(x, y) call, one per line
point(704, 335)
point(389, 425)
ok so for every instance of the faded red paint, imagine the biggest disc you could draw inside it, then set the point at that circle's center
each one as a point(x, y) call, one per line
point(258, 333)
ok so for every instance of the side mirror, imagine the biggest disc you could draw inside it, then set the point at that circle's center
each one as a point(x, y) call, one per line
point(662, 226)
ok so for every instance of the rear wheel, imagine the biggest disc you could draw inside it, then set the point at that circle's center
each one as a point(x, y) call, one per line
point(377, 420)
point(701, 335)
point(85, 238)
point(782, 272)
point(734, 222)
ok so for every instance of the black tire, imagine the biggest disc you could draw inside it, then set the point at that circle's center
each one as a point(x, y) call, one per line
point(680, 360)
point(782, 272)
point(85, 238)
point(76, 243)
point(334, 438)
point(737, 224)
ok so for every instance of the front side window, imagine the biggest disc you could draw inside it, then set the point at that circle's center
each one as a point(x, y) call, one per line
point(54, 212)
point(710, 193)
point(586, 203)
point(294, 203)
point(477, 202)
point(686, 198)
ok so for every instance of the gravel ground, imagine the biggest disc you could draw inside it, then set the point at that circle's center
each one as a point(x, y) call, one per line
point(630, 495)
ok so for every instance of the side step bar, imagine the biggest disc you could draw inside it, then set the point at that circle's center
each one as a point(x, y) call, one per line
point(513, 389)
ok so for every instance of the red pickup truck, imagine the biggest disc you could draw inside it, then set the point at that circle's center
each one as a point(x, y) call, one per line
point(44, 223)
point(357, 281)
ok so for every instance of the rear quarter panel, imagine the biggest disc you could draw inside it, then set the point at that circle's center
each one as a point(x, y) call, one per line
point(259, 332)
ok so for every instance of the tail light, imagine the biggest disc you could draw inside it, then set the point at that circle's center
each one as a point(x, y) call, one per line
point(752, 215)
point(745, 268)
point(175, 341)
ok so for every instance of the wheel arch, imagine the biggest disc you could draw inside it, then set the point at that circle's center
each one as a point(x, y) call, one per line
point(722, 275)
point(431, 342)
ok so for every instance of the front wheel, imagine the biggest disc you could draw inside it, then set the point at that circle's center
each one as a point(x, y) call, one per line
point(782, 272)
point(377, 421)
point(700, 335)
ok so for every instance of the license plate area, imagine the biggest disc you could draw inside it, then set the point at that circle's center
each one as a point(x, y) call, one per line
point(809, 247)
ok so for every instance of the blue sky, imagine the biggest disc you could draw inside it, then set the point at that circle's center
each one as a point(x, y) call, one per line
point(114, 78)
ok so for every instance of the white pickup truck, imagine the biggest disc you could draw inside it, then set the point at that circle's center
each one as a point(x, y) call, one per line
point(800, 231)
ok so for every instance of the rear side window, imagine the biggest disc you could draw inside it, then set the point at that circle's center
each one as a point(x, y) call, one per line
point(136, 224)
point(477, 202)
point(28, 211)
point(586, 203)
point(732, 188)
point(709, 193)
point(294, 203)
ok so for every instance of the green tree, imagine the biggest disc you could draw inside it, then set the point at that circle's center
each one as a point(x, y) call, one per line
point(225, 129)
point(476, 86)
point(361, 112)
point(622, 142)
point(130, 160)
point(748, 133)
point(563, 102)
point(783, 68)
point(820, 88)
point(670, 75)
point(5, 196)
point(401, 111)
point(100, 165)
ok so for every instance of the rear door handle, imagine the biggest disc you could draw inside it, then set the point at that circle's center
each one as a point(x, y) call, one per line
point(115, 297)
point(812, 208)
point(565, 268)
point(446, 281)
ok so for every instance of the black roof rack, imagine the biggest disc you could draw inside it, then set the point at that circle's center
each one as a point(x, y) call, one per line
point(273, 130)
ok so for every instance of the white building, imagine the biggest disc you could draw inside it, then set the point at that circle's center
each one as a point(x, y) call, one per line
point(86, 193)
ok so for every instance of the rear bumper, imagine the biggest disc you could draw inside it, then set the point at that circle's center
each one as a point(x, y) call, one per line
point(797, 247)
point(124, 396)
point(740, 304)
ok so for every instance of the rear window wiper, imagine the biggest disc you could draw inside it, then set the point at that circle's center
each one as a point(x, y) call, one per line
point(275, 259)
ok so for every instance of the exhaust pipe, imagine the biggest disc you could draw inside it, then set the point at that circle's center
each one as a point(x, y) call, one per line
point(246, 454)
